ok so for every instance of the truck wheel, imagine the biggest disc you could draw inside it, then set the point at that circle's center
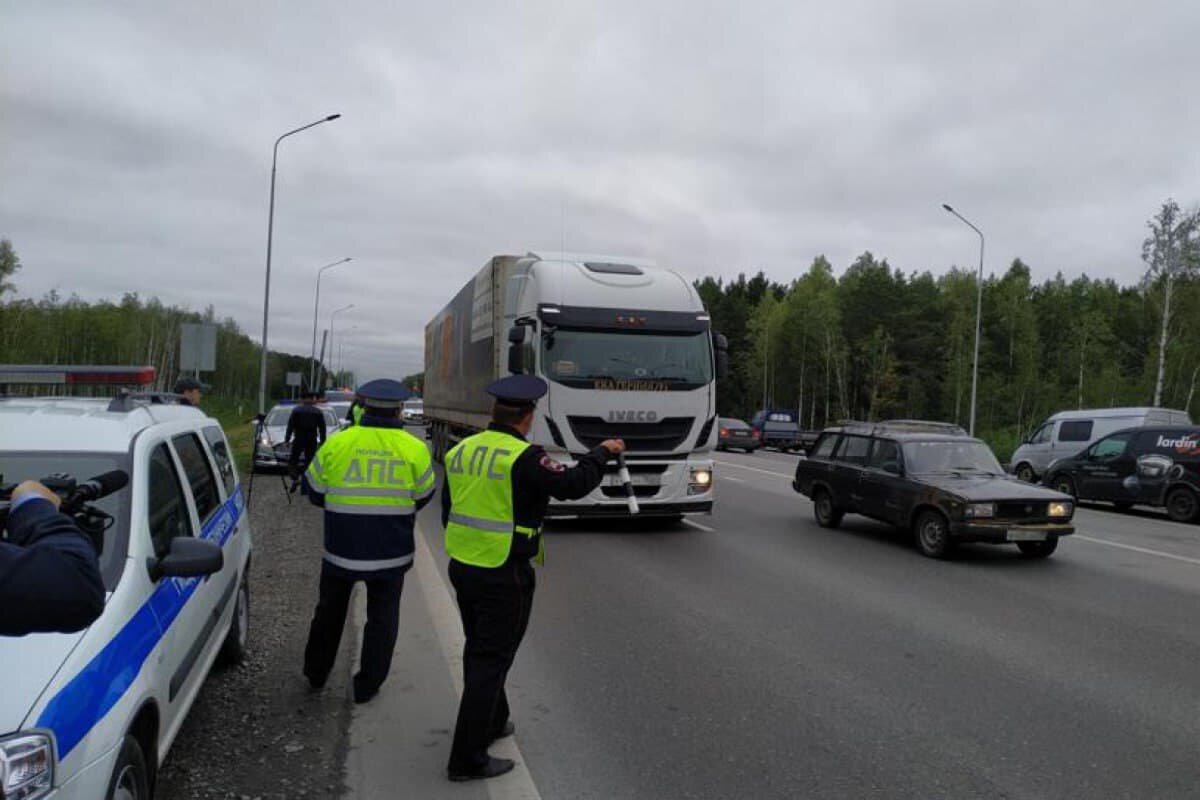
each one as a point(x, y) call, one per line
point(235, 646)
point(1038, 549)
point(131, 778)
point(828, 516)
point(932, 533)
point(1183, 505)
point(1025, 473)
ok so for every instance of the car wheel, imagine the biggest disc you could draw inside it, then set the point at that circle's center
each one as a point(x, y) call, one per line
point(235, 647)
point(1038, 549)
point(932, 532)
point(131, 778)
point(1025, 473)
point(1065, 484)
point(1183, 505)
point(826, 513)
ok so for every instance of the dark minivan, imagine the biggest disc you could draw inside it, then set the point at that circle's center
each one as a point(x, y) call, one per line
point(931, 479)
point(1150, 466)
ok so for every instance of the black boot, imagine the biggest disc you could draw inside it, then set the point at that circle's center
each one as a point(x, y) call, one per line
point(494, 767)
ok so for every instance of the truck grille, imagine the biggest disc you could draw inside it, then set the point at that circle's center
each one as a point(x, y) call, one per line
point(666, 434)
point(618, 492)
point(1017, 509)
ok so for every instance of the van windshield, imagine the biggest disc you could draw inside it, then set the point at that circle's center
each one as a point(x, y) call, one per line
point(627, 361)
point(16, 467)
point(947, 457)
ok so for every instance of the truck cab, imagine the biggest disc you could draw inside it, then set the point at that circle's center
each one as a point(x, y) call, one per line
point(627, 351)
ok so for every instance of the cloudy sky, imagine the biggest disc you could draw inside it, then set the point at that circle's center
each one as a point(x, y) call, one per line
point(135, 143)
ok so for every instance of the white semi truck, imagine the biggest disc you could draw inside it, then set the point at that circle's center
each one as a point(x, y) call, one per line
point(627, 350)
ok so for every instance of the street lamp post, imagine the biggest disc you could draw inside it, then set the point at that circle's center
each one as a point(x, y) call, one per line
point(335, 312)
point(312, 373)
point(262, 366)
point(978, 315)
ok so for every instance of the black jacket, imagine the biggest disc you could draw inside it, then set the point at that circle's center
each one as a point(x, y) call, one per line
point(49, 576)
point(306, 423)
point(536, 477)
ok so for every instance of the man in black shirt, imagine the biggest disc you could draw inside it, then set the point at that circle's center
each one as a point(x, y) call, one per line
point(306, 426)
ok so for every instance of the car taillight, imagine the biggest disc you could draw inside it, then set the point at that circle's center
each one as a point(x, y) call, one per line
point(754, 432)
point(724, 431)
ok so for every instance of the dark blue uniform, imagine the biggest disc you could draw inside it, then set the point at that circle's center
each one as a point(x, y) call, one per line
point(49, 576)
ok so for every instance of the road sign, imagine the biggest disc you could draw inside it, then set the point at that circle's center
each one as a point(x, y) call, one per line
point(197, 347)
point(294, 379)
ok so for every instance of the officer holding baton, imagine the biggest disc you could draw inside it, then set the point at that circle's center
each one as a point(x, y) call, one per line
point(497, 488)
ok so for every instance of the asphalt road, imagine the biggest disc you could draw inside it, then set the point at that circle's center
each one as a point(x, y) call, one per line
point(762, 656)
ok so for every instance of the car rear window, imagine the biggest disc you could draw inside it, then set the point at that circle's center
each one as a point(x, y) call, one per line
point(853, 449)
point(1076, 430)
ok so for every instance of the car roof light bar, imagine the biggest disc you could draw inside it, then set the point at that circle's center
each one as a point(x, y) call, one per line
point(76, 375)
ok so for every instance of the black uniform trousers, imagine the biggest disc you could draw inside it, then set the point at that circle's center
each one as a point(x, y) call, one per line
point(379, 634)
point(301, 446)
point(494, 605)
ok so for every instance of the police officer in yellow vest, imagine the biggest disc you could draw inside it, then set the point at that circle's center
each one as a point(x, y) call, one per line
point(371, 480)
point(496, 491)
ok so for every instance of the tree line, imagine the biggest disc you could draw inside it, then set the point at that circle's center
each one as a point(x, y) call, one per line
point(876, 343)
point(135, 331)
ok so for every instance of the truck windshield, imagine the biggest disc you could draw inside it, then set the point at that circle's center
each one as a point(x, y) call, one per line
point(16, 467)
point(632, 361)
point(964, 456)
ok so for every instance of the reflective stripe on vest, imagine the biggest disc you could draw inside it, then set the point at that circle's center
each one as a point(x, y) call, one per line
point(480, 527)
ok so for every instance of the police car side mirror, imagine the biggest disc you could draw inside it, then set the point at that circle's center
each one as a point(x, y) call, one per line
point(188, 558)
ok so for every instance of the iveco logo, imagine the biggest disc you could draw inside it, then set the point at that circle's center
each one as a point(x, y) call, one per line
point(632, 416)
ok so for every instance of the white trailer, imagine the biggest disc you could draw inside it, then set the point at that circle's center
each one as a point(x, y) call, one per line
point(627, 350)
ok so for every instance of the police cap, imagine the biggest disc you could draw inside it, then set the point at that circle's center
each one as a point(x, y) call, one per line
point(383, 393)
point(518, 390)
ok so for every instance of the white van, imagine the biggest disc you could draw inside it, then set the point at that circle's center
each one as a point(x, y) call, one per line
point(1068, 432)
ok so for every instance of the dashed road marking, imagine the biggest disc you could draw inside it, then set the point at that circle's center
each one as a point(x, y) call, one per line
point(1137, 549)
point(731, 478)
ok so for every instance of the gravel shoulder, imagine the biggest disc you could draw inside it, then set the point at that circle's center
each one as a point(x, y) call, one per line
point(256, 730)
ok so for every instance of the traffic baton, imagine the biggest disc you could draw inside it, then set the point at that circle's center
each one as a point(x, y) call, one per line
point(623, 473)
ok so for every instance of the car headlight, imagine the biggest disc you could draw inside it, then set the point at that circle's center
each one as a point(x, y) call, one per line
point(980, 510)
point(700, 481)
point(1061, 509)
point(26, 766)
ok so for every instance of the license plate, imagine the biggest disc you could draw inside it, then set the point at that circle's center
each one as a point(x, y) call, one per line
point(636, 480)
point(1018, 535)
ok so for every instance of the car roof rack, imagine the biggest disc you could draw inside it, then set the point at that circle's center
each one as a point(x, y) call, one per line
point(904, 426)
point(127, 401)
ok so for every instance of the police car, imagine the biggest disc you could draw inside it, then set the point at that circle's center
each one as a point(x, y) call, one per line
point(93, 714)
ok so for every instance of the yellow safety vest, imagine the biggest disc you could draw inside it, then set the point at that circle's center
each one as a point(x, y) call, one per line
point(479, 473)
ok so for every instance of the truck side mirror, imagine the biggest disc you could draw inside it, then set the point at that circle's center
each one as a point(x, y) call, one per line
point(721, 347)
point(516, 349)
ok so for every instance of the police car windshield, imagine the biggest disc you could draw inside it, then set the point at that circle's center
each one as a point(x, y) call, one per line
point(950, 457)
point(15, 467)
point(278, 417)
point(584, 357)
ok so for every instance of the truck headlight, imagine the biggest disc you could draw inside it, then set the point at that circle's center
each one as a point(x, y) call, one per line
point(26, 766)
point(1061, 509)
point(700, 481)
point(980, 510)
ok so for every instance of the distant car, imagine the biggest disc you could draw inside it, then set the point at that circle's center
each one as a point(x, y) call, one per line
point(1151, 466)
point(270, 451)
point(414, 411)
point(736, 434)
point(778, 428)
point(943, 486)
point(1068, 432)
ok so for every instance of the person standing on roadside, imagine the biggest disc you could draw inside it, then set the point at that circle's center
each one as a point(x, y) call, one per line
point(306, 426)
point(189, 391)
point(371, 480)
point(497, 488)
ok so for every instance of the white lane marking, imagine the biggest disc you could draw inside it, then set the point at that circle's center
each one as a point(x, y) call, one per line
point(731, 478)
point(698, 526)
point(1137, 549)
point(518, 784)
point(753, 469)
